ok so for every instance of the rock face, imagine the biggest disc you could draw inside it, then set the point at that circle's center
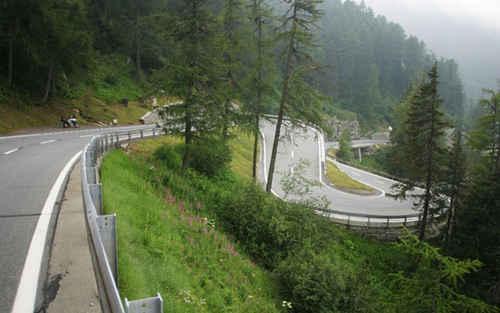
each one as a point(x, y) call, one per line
point(338, 126)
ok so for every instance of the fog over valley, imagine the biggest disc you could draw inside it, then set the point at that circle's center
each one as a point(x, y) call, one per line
point(467, 31)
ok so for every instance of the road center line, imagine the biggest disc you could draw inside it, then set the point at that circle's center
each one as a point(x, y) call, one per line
point(11, 151)
point(47, 141)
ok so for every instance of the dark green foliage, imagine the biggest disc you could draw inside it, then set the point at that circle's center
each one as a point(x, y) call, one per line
point(477, 232)
point(319, 282)
point(170, 156)
point(430, 282)
point(210, 156)
point(345, 146)
point(424, 151)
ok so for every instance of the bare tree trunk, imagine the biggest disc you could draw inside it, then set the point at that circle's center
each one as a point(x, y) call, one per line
point(255, 150)
point(188, 135)
point(54, 90)
point(49, 82)
point(138, 49)
point(428, 182)
point(284, 98)
point(259, 87)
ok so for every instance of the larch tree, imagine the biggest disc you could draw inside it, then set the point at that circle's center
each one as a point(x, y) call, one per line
point(193, 75)
point(299, 101)
point(232, 17)
point(262, 78)
point(425, 150)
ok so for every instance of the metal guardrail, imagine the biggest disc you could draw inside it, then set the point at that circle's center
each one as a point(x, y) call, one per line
point(102, 228)
point(371, 220)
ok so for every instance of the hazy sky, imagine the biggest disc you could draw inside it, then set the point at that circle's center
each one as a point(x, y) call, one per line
point(466, 30)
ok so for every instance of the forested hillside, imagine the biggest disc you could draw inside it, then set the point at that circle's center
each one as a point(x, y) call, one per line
point(370, 62)
point(111, 48)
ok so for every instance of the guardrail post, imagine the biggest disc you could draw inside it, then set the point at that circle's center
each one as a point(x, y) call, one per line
point(368, 221)
point(154, 131)
point(142, 134)
point(129, 138)
point(96, 194)
point(146, 305)
point(91, 174)
point(387, 225)
point(405, 221)
point(117, 143)
point(107, 228)
point(90, 158)
point(348, 220)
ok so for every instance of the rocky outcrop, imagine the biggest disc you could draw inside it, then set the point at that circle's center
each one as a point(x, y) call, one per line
point(338, 126)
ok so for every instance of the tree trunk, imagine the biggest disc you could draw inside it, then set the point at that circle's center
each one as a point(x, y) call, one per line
point(428, 182)
point(49, 82)
point(255, 150)
point(53, 87)
point(259, 88)
point(188, 135)
point(138, 49)
point(284, 96)
point(11, 55)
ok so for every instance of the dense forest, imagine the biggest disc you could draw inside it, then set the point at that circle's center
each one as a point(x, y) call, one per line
point(59, 48)
point(303, 60)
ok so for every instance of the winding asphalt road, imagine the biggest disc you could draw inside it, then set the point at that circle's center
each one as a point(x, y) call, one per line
point(305, 144)
point(29, 166)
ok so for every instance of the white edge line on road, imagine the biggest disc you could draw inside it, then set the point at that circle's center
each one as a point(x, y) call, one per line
point(84, 136)
point(47, 141)
point(11, 151)
point(28, 284)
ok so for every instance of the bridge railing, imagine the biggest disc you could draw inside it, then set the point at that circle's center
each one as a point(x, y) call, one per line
point(102, 228)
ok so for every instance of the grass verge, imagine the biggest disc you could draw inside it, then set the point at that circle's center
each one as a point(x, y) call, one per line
point(342, 180)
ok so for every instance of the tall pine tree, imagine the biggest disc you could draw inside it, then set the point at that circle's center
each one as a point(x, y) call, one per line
point(425, 128)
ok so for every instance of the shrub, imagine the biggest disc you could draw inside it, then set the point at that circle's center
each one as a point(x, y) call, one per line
point(169, 154)
point(209, 156)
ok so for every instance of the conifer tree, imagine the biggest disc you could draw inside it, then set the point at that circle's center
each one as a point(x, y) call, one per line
point(193, 75)
point(262, 77)
point(299, 100)
point(231, 23)
point(425, 152)
point(477, 231)
point(454, 180)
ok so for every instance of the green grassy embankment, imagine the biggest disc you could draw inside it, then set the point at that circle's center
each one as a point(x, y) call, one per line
point(222, 244)
point(174, 245)
point(340, 179)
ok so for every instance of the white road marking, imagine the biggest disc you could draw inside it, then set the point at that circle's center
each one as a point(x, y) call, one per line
point(28, 285)
point(292, 154)
point(47, 141)
point(11, 151)
point(84, 136)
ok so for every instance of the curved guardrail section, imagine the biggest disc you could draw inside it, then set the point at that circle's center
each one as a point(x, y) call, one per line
point(102, 228)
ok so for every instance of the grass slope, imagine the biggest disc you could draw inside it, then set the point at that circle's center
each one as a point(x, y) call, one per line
point(173, 246)
point(342, 180)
